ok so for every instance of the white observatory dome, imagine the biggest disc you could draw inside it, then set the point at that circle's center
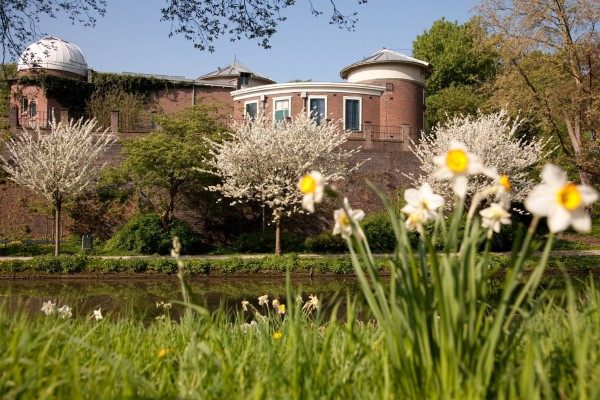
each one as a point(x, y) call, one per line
point(54, 54)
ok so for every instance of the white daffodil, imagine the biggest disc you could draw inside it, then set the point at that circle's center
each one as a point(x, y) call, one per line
point(312, 187)
point(561, 201)
point(494, 217)
point(281, 309)
point(48, 307)
point(98, 314)
point(456, 164)
point(275, 303)
point(262, 300)
point(65, 312)
point(311, 304)
point(421, 205)
point(343, 220)
point(245, 305)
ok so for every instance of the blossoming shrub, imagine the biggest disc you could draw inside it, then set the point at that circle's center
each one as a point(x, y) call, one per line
point(493, 138)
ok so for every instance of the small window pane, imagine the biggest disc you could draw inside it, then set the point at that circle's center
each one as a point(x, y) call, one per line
point(352, 121)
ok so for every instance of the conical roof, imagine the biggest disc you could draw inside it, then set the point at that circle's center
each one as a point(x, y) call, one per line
point(233, 70)
point(384, 56)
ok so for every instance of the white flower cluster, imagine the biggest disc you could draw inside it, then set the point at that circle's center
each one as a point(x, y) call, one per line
point(263, 160)
point(493, 138)
point(65, 312)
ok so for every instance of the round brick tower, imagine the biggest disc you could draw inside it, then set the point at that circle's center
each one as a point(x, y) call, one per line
point(403, 103)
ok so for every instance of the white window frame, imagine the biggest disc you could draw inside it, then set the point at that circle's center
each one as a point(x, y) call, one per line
point(288, 98)
point(250, 102)
point(309, 111)
point(359, 115)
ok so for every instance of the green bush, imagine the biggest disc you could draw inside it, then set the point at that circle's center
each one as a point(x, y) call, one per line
point(378, 230)
point(264, 242)
point(112, 265)
point(71, 264)
point(164, 266)
point(48, 264)
point(197, 267)
point(144, 234)
point(325, 242)
point(138, 265)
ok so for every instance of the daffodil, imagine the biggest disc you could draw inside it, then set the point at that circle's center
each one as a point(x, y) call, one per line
point(164, 352)
point(262, 300)
point(281, 309)
point(245, 305)
point(312, 187)
point(65, 312)
point(456, 164)
point(561, 201)
point(277, 335)
point(97, 314)
point(343, 220)
point(275, 303)
point(494, 217)
point(421, 205)
point(312, 303)
point(48, 307)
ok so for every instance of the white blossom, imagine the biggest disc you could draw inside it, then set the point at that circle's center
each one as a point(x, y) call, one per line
point(48, 307)
point(493, 137)
point(312, 187)
point(263, 161)
point(65, 312)
point(493, 217)
point(59, 164)
point(421, 205)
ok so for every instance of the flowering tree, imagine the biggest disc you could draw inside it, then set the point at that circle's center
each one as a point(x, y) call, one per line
point(263, 161)
point(59, 164)
point(492, 137)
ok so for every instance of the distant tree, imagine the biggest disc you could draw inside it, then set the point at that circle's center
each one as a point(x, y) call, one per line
point(201, 22)
point(551, 65)
point(264, 161)
point(163, 162)
point(57, 165)
point(104, 100)
point(492, 137)
point(460, 68)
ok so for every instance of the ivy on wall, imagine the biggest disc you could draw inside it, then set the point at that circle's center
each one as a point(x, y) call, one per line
point(75, 94)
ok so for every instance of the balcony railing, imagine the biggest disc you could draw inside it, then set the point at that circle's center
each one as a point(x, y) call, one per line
point(37, 120)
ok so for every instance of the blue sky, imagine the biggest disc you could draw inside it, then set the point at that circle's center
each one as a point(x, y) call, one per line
point(131, 38)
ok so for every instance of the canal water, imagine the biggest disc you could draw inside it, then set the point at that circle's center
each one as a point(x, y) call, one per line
point(127, 297)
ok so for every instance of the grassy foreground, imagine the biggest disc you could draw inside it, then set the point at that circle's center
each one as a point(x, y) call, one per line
point(296, 355)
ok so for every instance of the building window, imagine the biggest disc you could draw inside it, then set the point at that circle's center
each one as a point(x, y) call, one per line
point(251, 109)
point(281, 109)
point(32, 109)
point(244, 78)
point(24, 104)
point(317, 107)
point(352, 113)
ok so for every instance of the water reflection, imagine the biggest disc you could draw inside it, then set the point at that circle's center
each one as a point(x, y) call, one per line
point(138, 297)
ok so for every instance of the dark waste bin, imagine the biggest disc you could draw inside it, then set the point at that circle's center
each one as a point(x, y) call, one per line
point(86, 242)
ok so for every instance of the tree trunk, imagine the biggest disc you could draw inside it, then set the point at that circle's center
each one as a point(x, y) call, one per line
point(277, 235)
point(57, 232)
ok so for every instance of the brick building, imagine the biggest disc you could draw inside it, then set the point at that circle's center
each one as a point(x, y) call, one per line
point(380, 102)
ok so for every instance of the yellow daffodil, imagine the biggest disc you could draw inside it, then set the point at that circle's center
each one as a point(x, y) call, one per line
point(312, 187)
point(164, 352)
point(277, 335)
point(456, 164)
point(281, 308)
point(562, 202)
